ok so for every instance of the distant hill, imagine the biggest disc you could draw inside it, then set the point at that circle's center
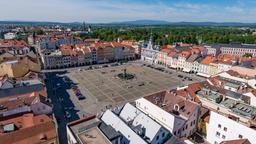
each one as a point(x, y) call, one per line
point(159, 22)
point(136, 22)
point(143, 22)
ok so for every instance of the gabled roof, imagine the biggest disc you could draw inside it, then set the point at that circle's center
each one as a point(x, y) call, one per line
point(208, 59)
point(131, 114)
point(167, 100)
point(111, 119)
point(238, 141)
point(19, 102)
point(30, 128)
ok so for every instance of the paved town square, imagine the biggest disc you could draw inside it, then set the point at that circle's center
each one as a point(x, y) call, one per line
point(103, 89)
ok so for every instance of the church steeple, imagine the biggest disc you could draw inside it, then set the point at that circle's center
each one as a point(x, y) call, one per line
point(150, 42)
point(84, 28)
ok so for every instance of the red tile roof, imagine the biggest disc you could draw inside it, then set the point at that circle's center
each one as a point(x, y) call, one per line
point(238, 141)
point(208, 59)
point(167, 99)
point(28, 128)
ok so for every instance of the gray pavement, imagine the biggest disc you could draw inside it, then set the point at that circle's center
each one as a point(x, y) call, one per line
point(103, 89)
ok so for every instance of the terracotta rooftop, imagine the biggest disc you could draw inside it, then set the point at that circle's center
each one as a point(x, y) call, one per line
point(24, 101)
point(167, 47)
point(29, 128)
point(101, 45)
point(225, 59)
point(13, 43)
point(239, 141)
point(128, 42)
point(92, 40)
point(185, 53)
point(244, 71)
point(166, 50)
point(208, 59)
point(167, 100)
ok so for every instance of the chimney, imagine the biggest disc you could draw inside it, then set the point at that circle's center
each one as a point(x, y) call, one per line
point(28, 120)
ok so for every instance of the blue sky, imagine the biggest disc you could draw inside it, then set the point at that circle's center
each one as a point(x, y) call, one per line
point(125, 10)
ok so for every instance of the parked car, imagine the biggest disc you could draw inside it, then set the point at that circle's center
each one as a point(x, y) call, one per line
point(81, 97)
point(141, 84)
point(180, 76)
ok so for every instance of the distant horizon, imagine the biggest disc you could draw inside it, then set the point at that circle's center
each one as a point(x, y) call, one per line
point(106, 11)
point(67, 22)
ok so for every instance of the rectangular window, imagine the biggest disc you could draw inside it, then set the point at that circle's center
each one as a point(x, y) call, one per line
point(223, 137)
point(217, 134)
point(225, 129)
point(240, 136)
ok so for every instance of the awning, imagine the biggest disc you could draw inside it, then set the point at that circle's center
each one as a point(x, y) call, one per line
point(203, 75)
point(186, 70)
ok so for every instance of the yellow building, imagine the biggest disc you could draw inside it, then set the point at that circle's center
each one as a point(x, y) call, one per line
point(18, 68)
point(203, 121)
point(212, 69)
point(6, 57)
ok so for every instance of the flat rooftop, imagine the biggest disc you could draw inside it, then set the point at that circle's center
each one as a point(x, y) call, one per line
point(232, 101)
point(93, 136)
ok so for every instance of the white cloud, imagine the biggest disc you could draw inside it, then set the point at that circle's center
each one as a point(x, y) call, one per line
point(234, 9)
point(114, 10)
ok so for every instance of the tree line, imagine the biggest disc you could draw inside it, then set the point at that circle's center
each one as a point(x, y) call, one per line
point(169, 35)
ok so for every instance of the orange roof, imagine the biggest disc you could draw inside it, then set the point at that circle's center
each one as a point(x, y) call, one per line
point(116, 44)
point(191, 90)
point(208, 59)
point(184, 44)
point(13, 43)
point(39, 133)
point(166, 47)
point(28, 128)
point(238, 141)
point(128, 42)
point(225, 58)
point(101, 45)
point(165, 50)
point(92, 40)
point(198, 47)
point(26, 120)
point(185, 53)
point(171, 54)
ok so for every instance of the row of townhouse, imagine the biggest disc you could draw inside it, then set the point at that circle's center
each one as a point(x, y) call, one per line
point(15, 47)
point(195, 60)
point(234, 49)
point(25, 110)
point(204, 60)
point(83, 54)
point(52, 42)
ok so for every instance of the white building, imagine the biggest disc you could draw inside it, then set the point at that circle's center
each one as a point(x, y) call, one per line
point(177, 114)
point(86, 130)
point(119, 125)
point(150, 53)
point(144, 125)
point(37, 105)
point(222, 128)
point(10, 35)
